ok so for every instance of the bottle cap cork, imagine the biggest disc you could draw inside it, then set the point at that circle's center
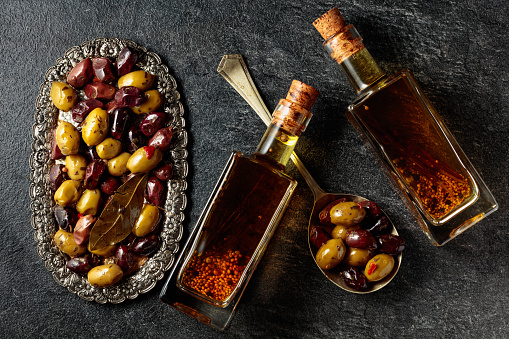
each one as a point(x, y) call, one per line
point(341, 40)
point(292, 114)
point(302, 94)
point(330, 23)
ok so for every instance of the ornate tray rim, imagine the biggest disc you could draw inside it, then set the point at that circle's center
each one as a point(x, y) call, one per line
point(42, 219)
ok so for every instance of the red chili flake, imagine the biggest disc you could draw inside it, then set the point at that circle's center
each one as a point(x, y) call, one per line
point(80, 215)
point(149, 150)
point(372, 268)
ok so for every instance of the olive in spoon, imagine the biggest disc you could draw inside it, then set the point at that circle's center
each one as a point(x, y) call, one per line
point(233, 68)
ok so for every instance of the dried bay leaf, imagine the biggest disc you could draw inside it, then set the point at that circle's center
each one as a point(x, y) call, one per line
point(118, 217)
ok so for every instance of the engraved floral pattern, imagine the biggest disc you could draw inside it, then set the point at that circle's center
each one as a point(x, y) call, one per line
point(43, 223)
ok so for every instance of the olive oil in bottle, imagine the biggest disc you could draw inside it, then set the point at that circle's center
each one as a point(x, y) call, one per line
point(408, 138)
point(239, 219)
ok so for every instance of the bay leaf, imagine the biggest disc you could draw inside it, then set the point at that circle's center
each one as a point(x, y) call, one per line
point(118, 217)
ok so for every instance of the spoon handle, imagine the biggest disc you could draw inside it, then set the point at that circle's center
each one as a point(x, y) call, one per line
point(233, 68)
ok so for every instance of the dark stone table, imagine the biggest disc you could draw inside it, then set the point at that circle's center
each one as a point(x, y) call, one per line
point(458, 50)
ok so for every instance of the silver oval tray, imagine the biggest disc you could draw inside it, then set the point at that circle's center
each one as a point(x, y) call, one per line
point(43, 222)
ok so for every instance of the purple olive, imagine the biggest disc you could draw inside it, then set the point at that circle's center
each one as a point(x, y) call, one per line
point(129, 96)
point(373, 211)
point(93, 174)
point(318, 237)
point(152, 123)
point(66, 217)
point(102, 70)
point(129, 241)
point(100, 91)
point(81, 74)
point(118, 119)
point(110, 185)
point(146, 245)
point(154, 191)
point(56, 176)
point(82, 108)
point(164, 172)
point(162, 138)
point(380, 226)
point(125, 61)
point(390, 244)
point(135, 138)
point(125, 258)
point(91, 154)
point(361, 239)
point(82, 265)
point(355, 279)
point(110, 106)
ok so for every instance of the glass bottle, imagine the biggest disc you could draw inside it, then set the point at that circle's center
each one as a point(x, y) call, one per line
point(408, 138)
point(239, 219)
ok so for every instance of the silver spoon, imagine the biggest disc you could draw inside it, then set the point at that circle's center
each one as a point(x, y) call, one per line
point(233, 68)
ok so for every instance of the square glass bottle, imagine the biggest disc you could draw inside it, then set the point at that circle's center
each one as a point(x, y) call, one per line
point(240, 217)
point(408, 138)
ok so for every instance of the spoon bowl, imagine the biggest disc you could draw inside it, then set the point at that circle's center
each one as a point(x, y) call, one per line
point(234, 70)
point(334, 275)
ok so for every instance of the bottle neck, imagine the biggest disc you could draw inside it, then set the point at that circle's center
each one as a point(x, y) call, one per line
point(289, 120)
point(361, 70)
point(356, 62)
point(276, 146)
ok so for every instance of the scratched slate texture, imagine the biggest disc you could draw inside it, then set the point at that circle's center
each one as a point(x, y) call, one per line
point(458, 51)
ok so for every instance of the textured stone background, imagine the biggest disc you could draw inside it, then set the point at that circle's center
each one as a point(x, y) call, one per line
point(458, 50)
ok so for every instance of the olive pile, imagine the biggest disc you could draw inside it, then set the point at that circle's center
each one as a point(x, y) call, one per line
point(356, 239)
point(117, 132)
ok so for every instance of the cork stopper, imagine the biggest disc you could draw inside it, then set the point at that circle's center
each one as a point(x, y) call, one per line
point(292, 114)
point(302, 94)
point(341, 40)
point(330, 23)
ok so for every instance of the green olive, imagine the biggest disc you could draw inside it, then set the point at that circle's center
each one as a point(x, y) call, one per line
point(68, 193)
point(379, 267)
point(153, 100)
point(105, 275)
point(140, 79)
point(358, 256)
point(108, 148)
point(95, 127)
point(347, 213)
point(330, 254)
point(68, 138)
point(144, 159)
point(340, 231)
point(62, 95)
point(65, 243)
point(76, 166)
point(107, 251)
point(89, 202)
point(118, 165)
point(147, 221)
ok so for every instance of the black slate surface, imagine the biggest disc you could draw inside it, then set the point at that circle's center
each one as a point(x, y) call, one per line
point(458, 50)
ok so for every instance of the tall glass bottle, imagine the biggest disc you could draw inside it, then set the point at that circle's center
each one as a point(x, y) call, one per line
point(408, 138)
point(239, 219)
